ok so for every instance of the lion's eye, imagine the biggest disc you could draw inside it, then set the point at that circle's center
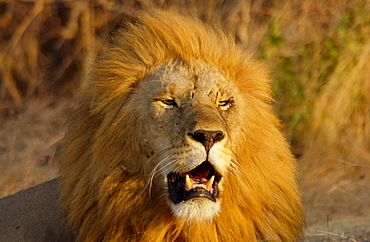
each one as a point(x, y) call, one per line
point(225, 104)
point(169, 102)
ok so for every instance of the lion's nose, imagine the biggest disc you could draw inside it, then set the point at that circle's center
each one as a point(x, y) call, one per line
point(207, 138)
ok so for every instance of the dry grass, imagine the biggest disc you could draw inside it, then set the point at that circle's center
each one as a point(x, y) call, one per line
point(319, 53)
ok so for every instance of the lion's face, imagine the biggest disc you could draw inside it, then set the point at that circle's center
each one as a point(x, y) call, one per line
point(188, 128)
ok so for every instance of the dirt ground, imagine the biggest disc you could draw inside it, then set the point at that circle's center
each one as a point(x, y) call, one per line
point(335, 211)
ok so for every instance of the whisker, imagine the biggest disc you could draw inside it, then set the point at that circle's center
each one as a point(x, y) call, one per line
point(239, 172)
point(156, 156)
point(234, 164)
point(155, 172)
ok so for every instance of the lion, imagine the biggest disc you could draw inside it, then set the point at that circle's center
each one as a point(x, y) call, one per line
point(174, 139)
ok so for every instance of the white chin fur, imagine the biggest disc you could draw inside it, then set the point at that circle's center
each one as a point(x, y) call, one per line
point(196, 210)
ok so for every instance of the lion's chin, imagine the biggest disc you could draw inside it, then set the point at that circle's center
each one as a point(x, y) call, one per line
point(197, 210)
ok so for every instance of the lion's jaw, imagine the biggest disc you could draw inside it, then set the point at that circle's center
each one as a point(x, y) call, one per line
point(190, 133)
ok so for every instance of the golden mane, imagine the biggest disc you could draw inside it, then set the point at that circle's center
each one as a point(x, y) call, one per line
point(103, 175)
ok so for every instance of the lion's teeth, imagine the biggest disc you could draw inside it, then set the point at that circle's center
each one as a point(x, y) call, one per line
point(188, 183)
point(209, 183)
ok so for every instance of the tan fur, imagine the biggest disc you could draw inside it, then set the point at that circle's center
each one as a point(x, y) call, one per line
point(111, 184)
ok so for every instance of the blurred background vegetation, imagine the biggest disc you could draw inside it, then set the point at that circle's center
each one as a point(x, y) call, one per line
point(318, 53)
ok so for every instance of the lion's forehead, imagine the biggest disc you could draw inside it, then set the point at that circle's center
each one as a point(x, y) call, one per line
point(180, 81)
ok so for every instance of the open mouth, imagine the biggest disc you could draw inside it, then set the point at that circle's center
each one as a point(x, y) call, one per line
point(202, 181)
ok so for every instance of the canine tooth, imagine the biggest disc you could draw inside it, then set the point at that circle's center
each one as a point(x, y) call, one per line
point(209, 183)
point(188, 183)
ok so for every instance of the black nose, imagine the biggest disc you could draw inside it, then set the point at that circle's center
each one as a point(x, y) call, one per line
point(207, 138)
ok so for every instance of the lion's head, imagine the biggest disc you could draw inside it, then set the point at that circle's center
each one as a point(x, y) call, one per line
point(174, 139)
point(190, 117)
